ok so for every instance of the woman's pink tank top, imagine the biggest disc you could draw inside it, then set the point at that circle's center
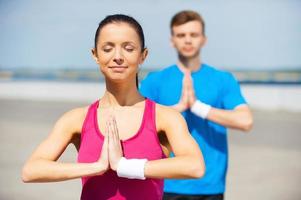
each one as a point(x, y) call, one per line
point(144, 144)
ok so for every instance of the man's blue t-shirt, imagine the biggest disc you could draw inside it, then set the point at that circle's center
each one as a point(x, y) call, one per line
point(216, 88)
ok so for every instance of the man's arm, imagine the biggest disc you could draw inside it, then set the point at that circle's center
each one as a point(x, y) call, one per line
point(239, 118)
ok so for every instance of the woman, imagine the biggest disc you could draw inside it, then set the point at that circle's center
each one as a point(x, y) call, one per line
point(124, 138)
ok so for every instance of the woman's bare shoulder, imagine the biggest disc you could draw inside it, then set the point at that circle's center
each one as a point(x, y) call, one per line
point(76, 113)
point(167, 111)
point(73, 119)
point(166, 116)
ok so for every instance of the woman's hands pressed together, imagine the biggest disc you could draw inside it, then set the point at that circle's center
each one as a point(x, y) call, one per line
point(115, 149)
point(111, 152)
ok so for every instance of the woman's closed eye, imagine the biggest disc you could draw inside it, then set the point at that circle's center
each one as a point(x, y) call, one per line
point(107, 49)
point(129, 48)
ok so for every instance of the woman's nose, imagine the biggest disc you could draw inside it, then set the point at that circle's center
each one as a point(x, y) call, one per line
point(118, 61)
point(118, 58)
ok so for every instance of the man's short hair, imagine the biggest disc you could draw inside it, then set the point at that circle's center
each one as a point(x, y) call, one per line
point(186, 16)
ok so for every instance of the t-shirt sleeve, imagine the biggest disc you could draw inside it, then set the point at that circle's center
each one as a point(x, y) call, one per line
point(148, 86)
point(232, 95)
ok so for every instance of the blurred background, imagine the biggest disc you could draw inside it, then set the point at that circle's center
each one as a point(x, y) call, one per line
point(46, 69)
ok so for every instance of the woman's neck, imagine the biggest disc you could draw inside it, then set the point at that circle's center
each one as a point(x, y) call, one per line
point(121, 94)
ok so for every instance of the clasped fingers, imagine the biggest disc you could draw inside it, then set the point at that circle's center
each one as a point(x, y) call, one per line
point(115, 149)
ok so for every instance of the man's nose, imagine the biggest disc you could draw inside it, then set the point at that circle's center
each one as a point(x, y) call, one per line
point(188, 39)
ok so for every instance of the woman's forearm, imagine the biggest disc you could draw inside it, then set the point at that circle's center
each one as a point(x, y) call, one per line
point(51, 171)
point(176, 167)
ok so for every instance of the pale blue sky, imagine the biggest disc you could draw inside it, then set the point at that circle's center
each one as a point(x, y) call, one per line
point(242, 34)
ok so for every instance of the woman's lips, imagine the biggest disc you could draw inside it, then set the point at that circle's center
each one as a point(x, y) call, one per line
point(118, 68)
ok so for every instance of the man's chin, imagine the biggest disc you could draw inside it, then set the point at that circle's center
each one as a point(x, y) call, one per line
point(188, 55)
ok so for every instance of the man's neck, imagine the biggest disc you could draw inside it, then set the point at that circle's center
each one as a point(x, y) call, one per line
point(190, 64)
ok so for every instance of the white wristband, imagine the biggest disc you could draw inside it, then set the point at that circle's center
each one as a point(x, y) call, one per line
point(200, 109)
point(131, 168)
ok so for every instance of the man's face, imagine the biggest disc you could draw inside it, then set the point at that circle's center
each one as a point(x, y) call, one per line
point(188, 39)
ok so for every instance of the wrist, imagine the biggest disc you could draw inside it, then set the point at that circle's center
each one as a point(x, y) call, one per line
point(180, 107)
point(131, 168)
point(192, 102)
point(98, 168)
point(200, 109)
point(114, 165)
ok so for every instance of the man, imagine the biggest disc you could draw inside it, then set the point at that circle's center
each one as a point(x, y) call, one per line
point(209, 99)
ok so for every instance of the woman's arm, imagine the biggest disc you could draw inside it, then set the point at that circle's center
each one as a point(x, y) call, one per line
point(42, 166)
point(188, 161)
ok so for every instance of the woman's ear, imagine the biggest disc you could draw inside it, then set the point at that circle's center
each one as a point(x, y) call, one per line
point(144, 55)
point(94, 55)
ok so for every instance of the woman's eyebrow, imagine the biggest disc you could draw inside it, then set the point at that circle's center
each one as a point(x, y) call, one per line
point(130, 42)
point(107, 43)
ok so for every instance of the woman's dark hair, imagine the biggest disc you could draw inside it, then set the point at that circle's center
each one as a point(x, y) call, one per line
point(120, 18)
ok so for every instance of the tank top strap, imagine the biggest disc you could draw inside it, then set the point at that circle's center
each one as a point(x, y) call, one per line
point(150, 114)
point(90, 118)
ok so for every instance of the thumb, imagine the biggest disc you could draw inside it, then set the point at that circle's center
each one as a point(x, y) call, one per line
point(104, 151)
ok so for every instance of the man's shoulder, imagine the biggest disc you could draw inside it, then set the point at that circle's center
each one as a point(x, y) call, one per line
point(216, 71)
point(165, 70)
point(161, 72)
